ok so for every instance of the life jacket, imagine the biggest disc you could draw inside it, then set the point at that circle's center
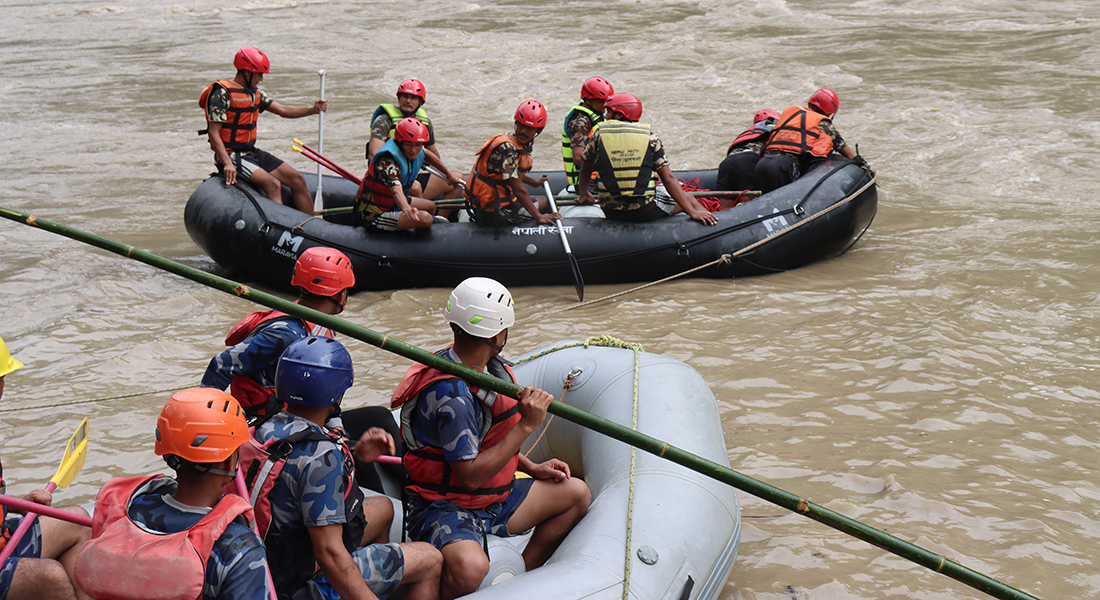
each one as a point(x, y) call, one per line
point(798, 131)
point(292, 561)
point(625, 160)
point(396, 115)
point(124, 561)
point(376, 198)
point(239, 130)
point(249, 392)
point(572, 169)
point(748, 136)
point(490, 191)
point(430, 475)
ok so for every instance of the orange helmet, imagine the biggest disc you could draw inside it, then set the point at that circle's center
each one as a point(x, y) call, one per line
point(825, 101)
point(532, 114)
point(596, 88)
point(323, 271)
point(201, 425)
point(252, 60)
point(411, 129)
point(413, 87)
point(627, 104)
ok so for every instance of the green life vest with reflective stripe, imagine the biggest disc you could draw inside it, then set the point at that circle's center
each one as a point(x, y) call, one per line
point(625, 160)
point(572, 169)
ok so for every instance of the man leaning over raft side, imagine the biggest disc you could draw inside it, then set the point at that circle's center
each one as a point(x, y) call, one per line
point(625, 154)
point(463, 449)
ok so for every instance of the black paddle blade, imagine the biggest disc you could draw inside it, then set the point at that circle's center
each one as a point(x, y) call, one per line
point(578, 281)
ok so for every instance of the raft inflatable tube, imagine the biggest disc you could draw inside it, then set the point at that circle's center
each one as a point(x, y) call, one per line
point(821, 215)
point(655, 528)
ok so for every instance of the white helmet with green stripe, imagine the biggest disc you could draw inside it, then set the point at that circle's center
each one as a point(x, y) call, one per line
point(482, 307)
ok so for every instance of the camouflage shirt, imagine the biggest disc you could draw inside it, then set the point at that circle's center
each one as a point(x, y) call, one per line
point(217, 105)
point(625, 201)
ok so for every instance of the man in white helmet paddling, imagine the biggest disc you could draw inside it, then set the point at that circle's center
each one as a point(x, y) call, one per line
point(463, 450)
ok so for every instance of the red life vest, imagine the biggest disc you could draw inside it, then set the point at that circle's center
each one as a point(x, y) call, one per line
point(125, 562)
point(239, 130)
point(430, 475)
point(490, 191)
point(798, 131)
point(246, 390)
point(262, 464)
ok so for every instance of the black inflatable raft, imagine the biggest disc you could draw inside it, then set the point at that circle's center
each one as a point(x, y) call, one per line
point(819, 216)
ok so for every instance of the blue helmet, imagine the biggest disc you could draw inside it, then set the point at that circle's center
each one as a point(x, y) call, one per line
point(315, 371)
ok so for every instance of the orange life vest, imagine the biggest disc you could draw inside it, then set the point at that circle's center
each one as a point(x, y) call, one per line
point(246, 390)
point(490, 191)
point(798, 131)
point(125, 562)
point(430, 475)
point(239, 130)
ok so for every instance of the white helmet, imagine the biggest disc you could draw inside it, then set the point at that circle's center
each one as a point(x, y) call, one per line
point(482, 307)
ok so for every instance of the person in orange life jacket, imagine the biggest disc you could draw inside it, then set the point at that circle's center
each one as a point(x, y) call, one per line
point(802, 137)
point(232, 109)
point(323, 539)
point(388, 198)
point(578, 125)
point(735, 173)
point(626, 154)
point(463, 449)
point(248, 365)
point(411, 97)
point(41, 566)
point(164, 537)
point(497, 186)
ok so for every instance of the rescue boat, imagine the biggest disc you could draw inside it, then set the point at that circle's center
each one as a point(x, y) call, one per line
point(821, 215)
point(655, 530)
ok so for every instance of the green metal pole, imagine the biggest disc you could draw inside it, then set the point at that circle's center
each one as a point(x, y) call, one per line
point(711, 469)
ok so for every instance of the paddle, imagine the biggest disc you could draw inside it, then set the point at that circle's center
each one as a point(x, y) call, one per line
point(75, 452)
point(318, 202)
point(578, 281)
point(770, 493)
point(45, 511)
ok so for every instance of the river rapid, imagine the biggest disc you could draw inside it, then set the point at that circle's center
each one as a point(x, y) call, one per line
point(938, 382)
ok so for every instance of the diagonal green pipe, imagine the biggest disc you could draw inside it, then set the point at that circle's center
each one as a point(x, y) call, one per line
point(711, 469)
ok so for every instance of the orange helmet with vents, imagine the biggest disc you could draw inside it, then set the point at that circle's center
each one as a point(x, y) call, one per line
point(201, 425)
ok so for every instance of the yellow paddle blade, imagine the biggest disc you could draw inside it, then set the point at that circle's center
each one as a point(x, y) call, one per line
point(75, 452)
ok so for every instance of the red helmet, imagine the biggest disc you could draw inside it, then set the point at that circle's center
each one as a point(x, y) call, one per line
point(825, 101)
point(252, 60)
point(412, 87)
point(532, 113)
point(596, 88)
point(627, 104)
point(765, 114)
point(411, 129)
point(323, 271)
point(201, 425)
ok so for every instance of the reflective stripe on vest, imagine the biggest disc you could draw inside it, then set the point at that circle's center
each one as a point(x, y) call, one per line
point(239, 130)
point(798, 131)
point(376, 198)
point(625, 160)
point(124, 561)
point(490, 191)
point(430, 474)
point(395, 115)
point(572, 169)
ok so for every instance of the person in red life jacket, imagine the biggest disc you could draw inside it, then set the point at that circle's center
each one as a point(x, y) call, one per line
point(463, 449)
point(497, 186)
point(626, 154)
point(324, 539)
point(801, 138)
point(388, 199)
point(179, 538)
point(232, 109)
point(41, 566)
point(411, 97)
point(247, 367)
point(578, 125)
point(735, 173)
